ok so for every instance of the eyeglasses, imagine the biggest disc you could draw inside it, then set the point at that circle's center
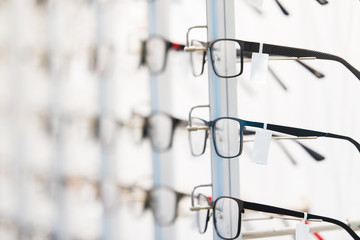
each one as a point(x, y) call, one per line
point(198, 58)
point(236, 49)
point(198, 146)
point(228, 132)
point(154, 52)
point(226, 209)
point(159, 127)
point(163, 201)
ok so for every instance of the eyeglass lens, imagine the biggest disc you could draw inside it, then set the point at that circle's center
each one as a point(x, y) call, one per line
point(224, 53)
point(226, 218)
point(197, 138)
point(202, 216)
point(155, 54)
point(160, 131)
point(163, 204)
point(227, 137)
point(197, 59)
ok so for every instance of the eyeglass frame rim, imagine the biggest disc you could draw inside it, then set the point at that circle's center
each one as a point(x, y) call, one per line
point(145, 128)
point(149, 198)
point(168, 45)
point(208, 200)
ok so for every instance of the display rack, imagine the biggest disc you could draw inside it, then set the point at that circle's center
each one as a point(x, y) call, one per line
point(222, 99)
point(58, 149)
point(107, 166)
point(161, 100)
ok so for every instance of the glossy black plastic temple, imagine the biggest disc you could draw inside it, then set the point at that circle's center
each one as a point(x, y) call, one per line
point(288, 52)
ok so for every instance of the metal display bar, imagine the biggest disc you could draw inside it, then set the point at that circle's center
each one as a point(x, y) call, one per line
point(57, 135)
point(223, 100)
point(107, 164)
point(355, 225)
point(161, 100)
point(18, 118)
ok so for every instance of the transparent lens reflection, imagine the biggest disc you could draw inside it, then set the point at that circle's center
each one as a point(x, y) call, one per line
point(227, 137)
point(197, 58)
point(202, 215)
point(163, 204)
point(197, 138)
point(225, 57)
point(226, 217)
point(155, 54)
point(160, 131)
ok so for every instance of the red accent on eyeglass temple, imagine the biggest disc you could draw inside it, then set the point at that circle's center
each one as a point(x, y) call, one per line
point(317, 235)
point(209, 197)
point(176, 46)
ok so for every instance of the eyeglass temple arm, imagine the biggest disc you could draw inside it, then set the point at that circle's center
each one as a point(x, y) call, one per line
point(142, 54)
point(317, 156)
point(298, 52)
point(277, 78)
point(180, 122)
point(176, 46)
point(307, 133)
point(284, 11)
point(315, 72)
point(322, 2)
point(311, 69)
point(283, 211)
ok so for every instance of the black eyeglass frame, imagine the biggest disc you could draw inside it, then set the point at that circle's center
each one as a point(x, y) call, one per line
point(168, 45)
point(277, 50)
point(315, 72)
point(242, 205)
point(298, 132)
point(175, 122)
point(149, 203)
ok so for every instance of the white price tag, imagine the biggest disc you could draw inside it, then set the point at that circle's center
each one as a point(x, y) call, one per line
point(259, 67)
point(261, 146)
point(302, 231)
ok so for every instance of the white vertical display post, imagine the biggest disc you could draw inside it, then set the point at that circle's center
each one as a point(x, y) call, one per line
point(55, 52)
point(18, 117)
point(160, 93)
point(104, 70)
point(223, 100)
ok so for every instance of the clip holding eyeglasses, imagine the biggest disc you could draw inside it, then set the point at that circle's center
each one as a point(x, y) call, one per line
point(194, 49)
point(198, 208)
point(196, 128)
